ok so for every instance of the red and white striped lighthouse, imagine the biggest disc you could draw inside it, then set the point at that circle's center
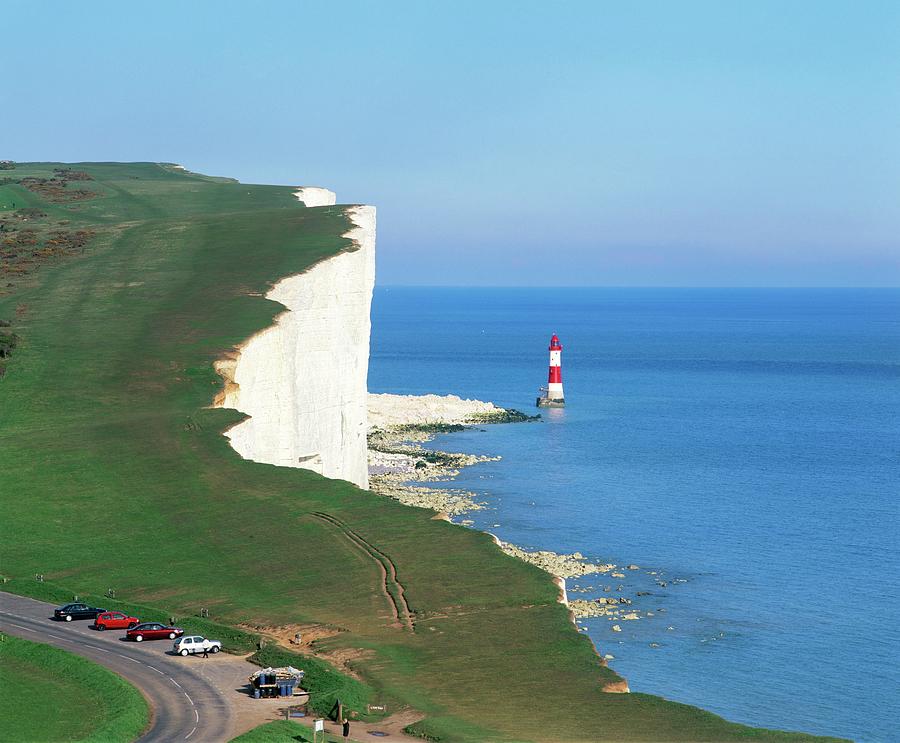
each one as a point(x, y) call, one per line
point(552, 396)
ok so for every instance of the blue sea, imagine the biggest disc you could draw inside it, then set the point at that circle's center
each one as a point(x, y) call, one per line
point(742, 446)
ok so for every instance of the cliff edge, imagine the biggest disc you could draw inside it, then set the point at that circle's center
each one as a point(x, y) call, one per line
point(302, 381)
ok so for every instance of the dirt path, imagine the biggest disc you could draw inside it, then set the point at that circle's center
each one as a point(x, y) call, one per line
point(392, 727)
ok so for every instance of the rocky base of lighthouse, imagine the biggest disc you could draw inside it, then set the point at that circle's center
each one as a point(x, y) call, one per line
point(551, 402)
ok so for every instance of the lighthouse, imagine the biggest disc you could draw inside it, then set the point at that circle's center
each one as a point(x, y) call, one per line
point(552, 395)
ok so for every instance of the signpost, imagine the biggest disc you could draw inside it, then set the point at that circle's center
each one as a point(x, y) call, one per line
point(318, 727)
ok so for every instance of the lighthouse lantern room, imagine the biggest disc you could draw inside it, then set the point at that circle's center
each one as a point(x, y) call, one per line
point(552, 395)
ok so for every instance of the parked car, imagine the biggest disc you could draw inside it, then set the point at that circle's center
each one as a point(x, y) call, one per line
point(153, 631)
point(196, 644)
point(114, 620)
point(76, 611)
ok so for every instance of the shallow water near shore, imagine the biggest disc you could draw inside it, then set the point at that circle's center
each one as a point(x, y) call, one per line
point(743, 445)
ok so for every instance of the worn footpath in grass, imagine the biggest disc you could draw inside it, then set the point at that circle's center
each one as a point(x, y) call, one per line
point(51, 695)
point(115, 475)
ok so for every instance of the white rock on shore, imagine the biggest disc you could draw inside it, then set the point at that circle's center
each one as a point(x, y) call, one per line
point(562, 566)
point(583, 609)
point(387, 410)
point(395, 466)
point(397, 461)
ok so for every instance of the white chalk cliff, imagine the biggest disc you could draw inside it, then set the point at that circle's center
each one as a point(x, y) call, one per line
point(302, 381)
point(315, 196)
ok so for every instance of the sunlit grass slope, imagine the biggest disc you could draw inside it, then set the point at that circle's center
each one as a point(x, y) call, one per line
point(51, 695)
point(115, 473)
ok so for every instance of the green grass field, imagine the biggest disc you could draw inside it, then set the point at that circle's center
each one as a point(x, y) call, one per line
point(51, 695)
point(283, 731)
point(115, 475)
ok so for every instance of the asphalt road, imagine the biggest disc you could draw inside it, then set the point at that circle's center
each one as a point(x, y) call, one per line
point(201, 700)
point(186, 698)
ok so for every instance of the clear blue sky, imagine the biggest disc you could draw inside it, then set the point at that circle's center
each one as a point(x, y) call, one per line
point(598, 143)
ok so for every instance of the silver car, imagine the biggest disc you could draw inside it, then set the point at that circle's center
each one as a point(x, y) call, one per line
point(192, 644)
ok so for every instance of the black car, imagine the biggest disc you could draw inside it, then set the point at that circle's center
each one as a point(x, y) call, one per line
point(76, 611)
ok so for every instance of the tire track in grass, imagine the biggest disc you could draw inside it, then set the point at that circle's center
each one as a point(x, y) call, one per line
point(391, 587)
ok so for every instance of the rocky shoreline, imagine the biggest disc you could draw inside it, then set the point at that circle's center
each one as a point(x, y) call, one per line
point(397, 460)
point(400, 425)
point(559, 566)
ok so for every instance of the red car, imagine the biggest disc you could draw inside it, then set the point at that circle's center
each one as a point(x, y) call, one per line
point(114, 620)
point(153, 631)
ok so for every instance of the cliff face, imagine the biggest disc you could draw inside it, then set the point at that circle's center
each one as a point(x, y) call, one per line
point(315, 196)
point(302, 381)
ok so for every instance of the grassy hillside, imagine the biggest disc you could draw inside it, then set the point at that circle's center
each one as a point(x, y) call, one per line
point(51, 695)
point(115, 472)
point(283, 731)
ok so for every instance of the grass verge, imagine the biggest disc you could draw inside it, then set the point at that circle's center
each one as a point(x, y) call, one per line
point(282, 731)
point(51, 695)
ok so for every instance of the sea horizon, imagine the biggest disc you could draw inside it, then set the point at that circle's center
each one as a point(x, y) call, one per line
point(698, 287)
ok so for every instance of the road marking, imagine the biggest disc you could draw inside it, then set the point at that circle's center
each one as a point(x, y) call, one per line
point(80, 640)
point(27, 629)
point(128, 658)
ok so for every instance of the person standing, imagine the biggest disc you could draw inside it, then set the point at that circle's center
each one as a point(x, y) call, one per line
point(345, 728)
point(205, 652)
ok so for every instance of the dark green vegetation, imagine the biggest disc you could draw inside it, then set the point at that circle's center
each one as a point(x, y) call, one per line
point(115, 475)
point(509, 415)
point(8, 341)
point(51, 695)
